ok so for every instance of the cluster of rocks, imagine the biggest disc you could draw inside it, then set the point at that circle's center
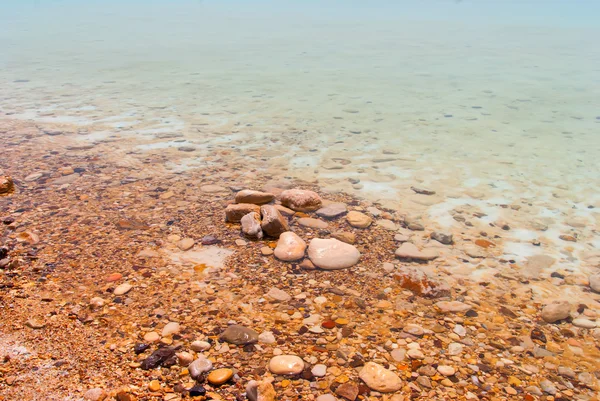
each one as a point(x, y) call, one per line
point(258, 218)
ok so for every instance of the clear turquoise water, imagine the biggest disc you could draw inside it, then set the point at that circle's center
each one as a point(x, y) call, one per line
point(497, 101)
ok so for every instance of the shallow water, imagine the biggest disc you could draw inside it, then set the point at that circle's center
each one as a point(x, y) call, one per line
point(487, 103)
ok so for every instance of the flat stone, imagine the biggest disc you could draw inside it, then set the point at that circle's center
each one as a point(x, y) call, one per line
point(122, 289)
point(266, 251)
point(313, 223)
point(273, 223)
point(423, 191)
point(326, 397)
point(306, 264)
point(378, 378)
point(358, 219)
point(267, 337)
point(332, 254)
point(286, 365)
point(254, 197)
point(319, 370)
point(171, 328)
point(234, 213)
point(452, 306)
point(219, 376)
point(584, 323)
point(455, 348)
point(251, 225)
point(239, 335)
point(285, 211)
point(410, 251)
point(344, 236)
point(290, 247)
point(277, 295)
point(199, 366)
point(348, 391)
point(401, 238)
point(555, 311)
point(332, 210)
point(301, 200)
point(213, 189)
point(35, 324)
point(186, 244)
point(535, 265)
point(151, 337)
point(387, 224)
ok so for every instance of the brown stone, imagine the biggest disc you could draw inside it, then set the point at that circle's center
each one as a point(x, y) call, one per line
point(301, 200)
point(347, 390)
point(344, 236)
point(273, 223)
point(254, 197)
point(234, 213)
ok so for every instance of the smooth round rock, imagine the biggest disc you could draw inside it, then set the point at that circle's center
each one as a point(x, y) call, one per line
point(301, 200)
point(290, 247)
point(122, 289)
point(332, 254)
point(410, 251)
point(358, 219)
point(584, 323)
point(170, 328)
point(219, 376)
point(378, 378)
point(199, 366)
point(94, 394)
point(326, 397)
point(239, 335)
point(557, 310)
point(286, 365)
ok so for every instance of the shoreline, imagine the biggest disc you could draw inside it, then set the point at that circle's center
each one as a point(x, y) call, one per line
point(98, 213)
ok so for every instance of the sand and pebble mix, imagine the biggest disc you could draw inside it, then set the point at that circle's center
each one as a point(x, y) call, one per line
point(123, 279)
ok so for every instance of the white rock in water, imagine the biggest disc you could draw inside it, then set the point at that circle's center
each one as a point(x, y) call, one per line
point(286, 365)
point(301, 200)
point(410, 251)
point(122, 289)
point(584, 323)
point(379, 378)
point(332, 210)
point(290, 247)
point(332, 254)
point(557, 310)
point(358, 219)
point(170, 328)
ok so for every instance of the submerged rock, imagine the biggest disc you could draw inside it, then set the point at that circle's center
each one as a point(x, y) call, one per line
point(290, 247)
point(444, 238)
point(595, 282)
point(332, 210)
point(332, 254)
point(301, 200)
point(410, 251)
point(239, 335)
point(358, 219)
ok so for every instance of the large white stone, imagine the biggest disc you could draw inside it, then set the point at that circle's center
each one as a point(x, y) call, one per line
point(286, 365)
point(290, 247)
point(332, 254)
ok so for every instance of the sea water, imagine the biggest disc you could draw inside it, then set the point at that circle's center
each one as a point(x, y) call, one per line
point(489, 103)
